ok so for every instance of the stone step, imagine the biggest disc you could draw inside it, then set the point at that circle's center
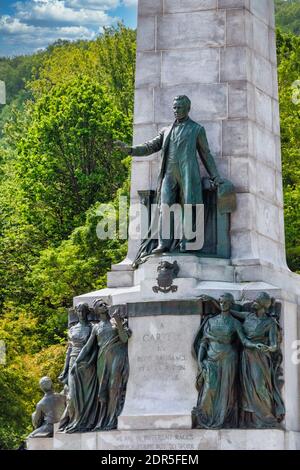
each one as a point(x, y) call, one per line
point(171, 439)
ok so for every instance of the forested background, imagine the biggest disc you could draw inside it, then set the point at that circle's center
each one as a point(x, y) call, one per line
point(65, 106)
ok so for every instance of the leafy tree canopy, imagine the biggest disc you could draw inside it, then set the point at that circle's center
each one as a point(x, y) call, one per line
point(288, 15)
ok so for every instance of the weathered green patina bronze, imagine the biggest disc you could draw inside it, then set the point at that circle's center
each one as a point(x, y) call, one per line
point(216, 347)
point(103, 394)
point(179, 179)
point(260, 375)
point(48, 410)
point(167, 272)
point(96, 370)
point(81, 385)
point(239, 363)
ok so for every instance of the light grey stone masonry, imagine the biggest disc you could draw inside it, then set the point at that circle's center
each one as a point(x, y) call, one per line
point(222, 53)
point(172, 439)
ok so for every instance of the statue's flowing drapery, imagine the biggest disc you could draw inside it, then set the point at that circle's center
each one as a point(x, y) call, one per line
point(217, 402)
point(81, 382)
point(262, 404)
point(98, 382)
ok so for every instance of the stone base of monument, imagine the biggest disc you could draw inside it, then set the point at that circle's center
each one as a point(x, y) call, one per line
point(191, 267)
point(161, 389)
point(41, 443)
point(171, 439)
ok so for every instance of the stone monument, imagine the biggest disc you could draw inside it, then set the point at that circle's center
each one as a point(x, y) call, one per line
point(222, 55)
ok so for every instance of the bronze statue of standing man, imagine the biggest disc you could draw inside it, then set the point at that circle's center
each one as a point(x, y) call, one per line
point(179, 180)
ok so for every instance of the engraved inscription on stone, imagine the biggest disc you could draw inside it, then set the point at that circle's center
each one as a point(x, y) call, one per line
point(150, 440)
point(161, 361)
point(162, 367)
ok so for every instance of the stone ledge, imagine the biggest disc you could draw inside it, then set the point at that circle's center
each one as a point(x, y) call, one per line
point(120, 279)
point(131, 295)
point(40, 443)
point(152, 422)
point(234, 439)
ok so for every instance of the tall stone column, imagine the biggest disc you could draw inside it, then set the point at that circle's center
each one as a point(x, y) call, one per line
point(222, 54)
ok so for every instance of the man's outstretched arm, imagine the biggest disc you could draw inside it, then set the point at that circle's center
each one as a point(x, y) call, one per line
point(146, 149)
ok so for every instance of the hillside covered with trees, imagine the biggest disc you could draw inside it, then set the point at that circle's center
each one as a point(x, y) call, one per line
point(57, 163)
point(288, 15)
point(65, 107)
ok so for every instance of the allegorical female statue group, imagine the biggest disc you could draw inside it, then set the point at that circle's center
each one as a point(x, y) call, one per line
point(239, 359)
point(96, 371)
point(239, 362)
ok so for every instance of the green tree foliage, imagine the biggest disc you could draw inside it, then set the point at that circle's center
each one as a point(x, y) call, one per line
point(111, 49)
point(26, 361)
point(288, 47)
point(77, 265)
point(110, 60)
point(288, 15)
point(20, 241)
point(56, 165)
point(66, 147)
point(17, 71)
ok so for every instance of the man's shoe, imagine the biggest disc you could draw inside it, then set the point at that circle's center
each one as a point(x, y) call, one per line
point(160, 249)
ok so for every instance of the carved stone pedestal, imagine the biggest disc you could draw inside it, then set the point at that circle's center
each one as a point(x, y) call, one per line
point(40, 443)
point(161, 389)
point(162, 368)
point(172, 439)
